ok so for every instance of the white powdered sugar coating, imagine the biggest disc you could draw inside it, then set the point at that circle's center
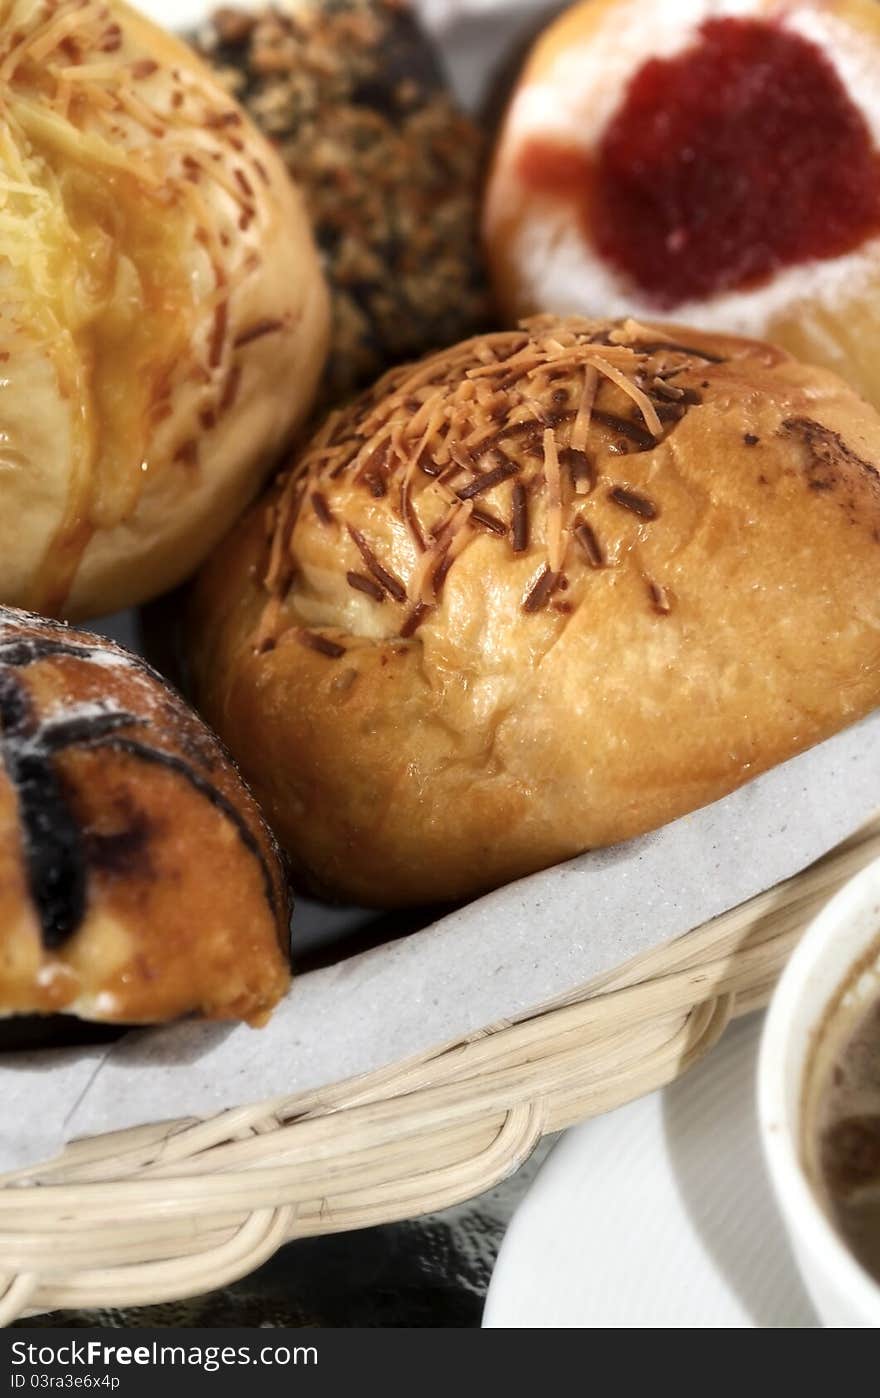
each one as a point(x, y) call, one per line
point(93, 651)
point(854, 59)
point(616, 49)
point(566, 277)
point(109, 659)
point(563, 274)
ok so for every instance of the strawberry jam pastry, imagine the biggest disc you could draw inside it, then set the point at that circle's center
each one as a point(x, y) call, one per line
point(718, 161)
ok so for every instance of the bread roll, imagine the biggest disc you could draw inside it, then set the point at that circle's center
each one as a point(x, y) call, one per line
point(540, 593)
point(138, 881)
point(718, 164)
point(163, 319)
point(353, 95)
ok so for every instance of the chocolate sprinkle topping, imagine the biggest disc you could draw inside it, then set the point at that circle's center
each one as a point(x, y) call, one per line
point(519, 526)
point(361, 583)
point(415, 619)
point(486, 520)
point(392, 585)
point(313, 640)
point(660, 598)
point(585, 535)
point(407, 509)
point(480, 484)
point(629, 500)
point(540, 592)
point(439, 575)
point(376, 484)
point(372, 471)
point(218, 335)
point(632, 431)
point(321, 508)
point(499, 407)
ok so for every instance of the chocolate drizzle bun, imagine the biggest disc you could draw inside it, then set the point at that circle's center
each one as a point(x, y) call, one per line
point(139, 881)
point(567, 582)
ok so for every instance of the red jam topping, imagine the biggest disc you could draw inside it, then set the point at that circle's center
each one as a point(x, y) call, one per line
point(739, 156)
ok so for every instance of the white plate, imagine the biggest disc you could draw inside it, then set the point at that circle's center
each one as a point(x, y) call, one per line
point(658, 1215)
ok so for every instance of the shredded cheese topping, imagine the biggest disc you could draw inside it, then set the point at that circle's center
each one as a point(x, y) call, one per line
point(107, 183)
point(503, 437)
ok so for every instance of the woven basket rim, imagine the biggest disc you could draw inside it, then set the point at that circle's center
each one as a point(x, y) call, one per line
point(169, 1210)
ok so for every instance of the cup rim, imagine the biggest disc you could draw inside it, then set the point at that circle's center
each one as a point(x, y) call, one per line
point(796, 1196)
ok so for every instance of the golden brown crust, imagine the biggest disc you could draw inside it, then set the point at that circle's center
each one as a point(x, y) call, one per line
point(670, 586)
point(163, 317)
point(138, 881)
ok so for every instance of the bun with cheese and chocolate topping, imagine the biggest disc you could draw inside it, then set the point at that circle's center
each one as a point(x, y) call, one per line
point(715, 163)
point(138, 881)
point(163, 317)
point(540, 592)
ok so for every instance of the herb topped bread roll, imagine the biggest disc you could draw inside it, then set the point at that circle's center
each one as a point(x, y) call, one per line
point(542, 592)
point(714, 161)
point(138, 881)
point(163, 319)
point(353, 95)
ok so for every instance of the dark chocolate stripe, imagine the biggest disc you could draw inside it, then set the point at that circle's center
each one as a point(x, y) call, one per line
point(85, 728)
point(172, 763)
point(29, 650)
point(54, 853)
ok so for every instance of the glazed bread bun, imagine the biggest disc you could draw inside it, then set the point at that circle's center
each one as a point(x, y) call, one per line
point(716, 163)
point(541, 592)
point(163, 319)
point(138, 881)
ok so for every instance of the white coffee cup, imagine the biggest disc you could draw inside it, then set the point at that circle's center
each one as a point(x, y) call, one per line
point(828, 957)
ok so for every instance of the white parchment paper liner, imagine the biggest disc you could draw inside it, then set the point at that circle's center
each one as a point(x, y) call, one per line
point(497, 958)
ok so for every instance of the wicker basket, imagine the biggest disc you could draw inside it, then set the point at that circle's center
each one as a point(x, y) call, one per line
point(173, 1210)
